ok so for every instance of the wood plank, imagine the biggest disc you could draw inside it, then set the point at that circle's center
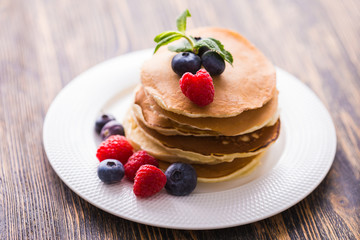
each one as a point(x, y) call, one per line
point(45, 44)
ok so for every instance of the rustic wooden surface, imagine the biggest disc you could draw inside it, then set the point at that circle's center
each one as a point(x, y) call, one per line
point(45, 44)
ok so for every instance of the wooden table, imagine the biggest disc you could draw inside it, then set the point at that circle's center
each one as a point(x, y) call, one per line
point(45, 44)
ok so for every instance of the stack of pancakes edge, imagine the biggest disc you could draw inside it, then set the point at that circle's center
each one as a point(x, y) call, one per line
point(226, 138)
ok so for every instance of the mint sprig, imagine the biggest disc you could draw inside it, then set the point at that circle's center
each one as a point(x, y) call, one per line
point(190, 44)
point(166, 38)
point(181, 21)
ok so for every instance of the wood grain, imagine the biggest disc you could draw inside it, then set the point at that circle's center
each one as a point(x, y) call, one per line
point(45, 44)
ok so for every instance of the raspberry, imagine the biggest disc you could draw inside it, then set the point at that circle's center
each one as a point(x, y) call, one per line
point(149, 180)
point(115, 147)
point(199, 88)
point(136, 161)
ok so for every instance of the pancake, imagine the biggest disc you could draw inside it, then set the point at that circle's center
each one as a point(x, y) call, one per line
point(217, 145)
point(141, 140)
point(214, 172)
point(167, 127)
point(169, 123)
point(248, 84)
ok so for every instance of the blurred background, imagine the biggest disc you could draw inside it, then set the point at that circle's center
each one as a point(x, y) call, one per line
point(60, 39)
point(44, 44)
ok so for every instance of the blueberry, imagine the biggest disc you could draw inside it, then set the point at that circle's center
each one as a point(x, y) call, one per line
point(202, 50)
point(110, 171)
point(213, 63)
point(112, 128)
point(101, 121)
point(181, 179)
point(186, 62)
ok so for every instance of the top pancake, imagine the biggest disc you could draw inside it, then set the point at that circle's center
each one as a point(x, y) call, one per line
point(248, 84)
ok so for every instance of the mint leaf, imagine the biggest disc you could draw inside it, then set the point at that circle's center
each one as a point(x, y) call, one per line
point(227, 55)
point(216, 46)
point(183, 46)
point(181, 21)
point(164, 35)
point(167, 38)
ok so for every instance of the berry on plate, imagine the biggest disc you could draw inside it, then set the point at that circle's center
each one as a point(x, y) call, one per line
point(110, 171)
point(199, 88)
point(181, 179)
point(115, 147)
point(112, 127)
point(185, 62)
point(101, 121)
point(136, 161)
point(148, 181)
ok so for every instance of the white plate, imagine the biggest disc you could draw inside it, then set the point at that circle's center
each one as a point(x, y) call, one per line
point(293, 167)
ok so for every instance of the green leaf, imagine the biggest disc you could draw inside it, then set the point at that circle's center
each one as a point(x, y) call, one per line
point(168, 39)
point(183, 46)
point(228, 57)
point(181, 21)
point(163, 35)
point(216, 46)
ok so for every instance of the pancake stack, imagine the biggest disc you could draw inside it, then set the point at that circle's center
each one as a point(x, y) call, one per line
point(222, 140)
